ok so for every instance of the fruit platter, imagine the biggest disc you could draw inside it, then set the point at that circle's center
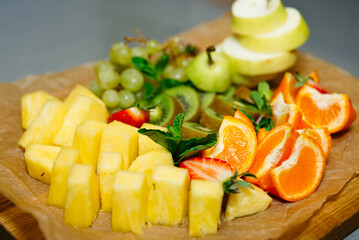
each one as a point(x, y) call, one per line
point(224, 130)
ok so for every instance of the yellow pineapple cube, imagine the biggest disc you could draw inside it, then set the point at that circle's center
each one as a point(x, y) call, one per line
point(81, 90)
point(205, 201)
point(248, 201)
point(120, 137)
point(87, 140)
point(81, 109)
point(129, 200)
point(39, 160)
point(108, 164)
point(31, 105)
point(168, 198)
point(146, 144)
point(60, 173)
point(83, 196)
point(46, 124)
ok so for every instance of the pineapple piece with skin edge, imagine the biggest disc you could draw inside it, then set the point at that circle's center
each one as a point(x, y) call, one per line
point(146, 144)
point(205, 201)
point(81, 109)
point(81, 90)
point(60, 173)
point(247, 202)
point(87, 140)
point(83, 196)
point(129, 201)
point(108, 164)
point(120, 137)
point(31, 104)
point(39, 160)
point(46, 124)
point(168, 197)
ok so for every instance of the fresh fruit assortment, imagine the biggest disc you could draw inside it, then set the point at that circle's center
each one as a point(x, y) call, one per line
point(148, 162)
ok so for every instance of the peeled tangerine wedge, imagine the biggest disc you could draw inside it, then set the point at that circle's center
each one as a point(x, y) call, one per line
point(286, 113)
point(321, 136)
point(334, 111)
point(251, 17)
point(289, 36)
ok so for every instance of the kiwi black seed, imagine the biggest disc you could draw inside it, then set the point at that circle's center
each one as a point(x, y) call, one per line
point(192, 129)
point(211, 119)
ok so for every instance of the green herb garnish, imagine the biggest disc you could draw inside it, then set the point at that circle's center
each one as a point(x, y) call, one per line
point(232, 184)
point(301, 80)
point(152, 71)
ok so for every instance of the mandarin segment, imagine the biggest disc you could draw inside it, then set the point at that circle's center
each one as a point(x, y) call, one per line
point(286, 87)
point(286, 113)
point(321, 136)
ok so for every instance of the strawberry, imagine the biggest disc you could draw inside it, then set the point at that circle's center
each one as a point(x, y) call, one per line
point(134, 116)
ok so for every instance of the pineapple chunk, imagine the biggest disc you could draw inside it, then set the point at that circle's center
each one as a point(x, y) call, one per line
point(31, 105)
point(108, 164)
point(205, 201)
point(81, 109)
point(146, 144)
point(248, 201)
point(87, 140)
point(168, 198)
point(60, 173)
point(129, 201)
point(39, 160)
point(46, 124)
point(83, 197)
point(81, 90)
point(120, 137)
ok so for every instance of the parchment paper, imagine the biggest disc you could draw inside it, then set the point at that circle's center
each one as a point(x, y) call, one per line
point(31, 195)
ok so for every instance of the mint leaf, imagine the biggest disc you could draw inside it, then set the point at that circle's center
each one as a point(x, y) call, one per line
point(232, 184)
point(175, 130)
point(301, 80)
point(163, 138)
point(264, 89)
point(145, 67)
point(150, 91)
point(266, 123)
point(161, 64)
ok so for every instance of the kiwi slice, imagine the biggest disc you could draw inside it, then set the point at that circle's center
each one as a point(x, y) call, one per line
point(192, 129)
point(206, 98)
point(211, 119)
point(230, 92)
point(165, 111)
point(188, 99)
point(227, 106)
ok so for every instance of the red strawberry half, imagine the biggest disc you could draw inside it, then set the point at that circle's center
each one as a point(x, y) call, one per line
point(133, 116)
point(205, 168)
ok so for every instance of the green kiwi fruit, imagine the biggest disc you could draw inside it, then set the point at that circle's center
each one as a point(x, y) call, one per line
point(192, 129)
point(206, 98)
point(211, 119)
point(188, 99)
point(230, 92)
point(227, 106)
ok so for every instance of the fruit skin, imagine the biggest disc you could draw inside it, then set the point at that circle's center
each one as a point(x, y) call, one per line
point(146, 144)
point(210, 78)
point(133, 116)
point(205, 201)
point(129, 202)
point(192, 129)
point(168, 197)
point(39, 161)
point(211, 119)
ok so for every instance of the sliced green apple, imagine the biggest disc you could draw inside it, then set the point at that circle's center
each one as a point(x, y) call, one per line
point(250, 63)
point(291, 35)
point(251, 17)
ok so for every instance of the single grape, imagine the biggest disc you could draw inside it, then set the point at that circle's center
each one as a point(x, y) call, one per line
point(152, 46)
point(110, 98)
point(120, 54)
point(95, 88)
point(126, 98)
point(178, 74)
point(139, 52)
point(140, 94)
point(103, 65)
point(108, 79)
point(183, 61)
point(132, 79)
point(168, 70)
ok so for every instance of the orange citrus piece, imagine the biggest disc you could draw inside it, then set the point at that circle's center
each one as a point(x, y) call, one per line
point(262, 132)
point(321, 136)
point(299, 175)
point(239, 114)
point(286, 87)
point(332, 110)
point(314, 76)
point(237, 144)
point(286, 113)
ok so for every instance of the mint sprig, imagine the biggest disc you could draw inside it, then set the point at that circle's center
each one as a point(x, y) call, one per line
point(301, 80)
point(232, 184)
point(152, 71)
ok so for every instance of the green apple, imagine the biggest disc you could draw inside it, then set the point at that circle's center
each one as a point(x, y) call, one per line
point(291, 35)
point(252, 17)
point(210, 71)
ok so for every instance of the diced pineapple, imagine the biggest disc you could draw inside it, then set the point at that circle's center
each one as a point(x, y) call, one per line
point(168, 198)
point(87, 140)
point(60, 173)
point(81, 90)
point(31, 105)
point(81, 109)
point(147, 162)
point(248, 201)
point(146, 144)
point(120, 137)
point(83, 196)
point(129, 202)
point(46, 124)
point(108, 164)
point(39, 160)
point(205, 201)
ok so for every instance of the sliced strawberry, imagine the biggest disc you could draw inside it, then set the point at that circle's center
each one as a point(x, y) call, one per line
point(206, 168)
point(133, 116)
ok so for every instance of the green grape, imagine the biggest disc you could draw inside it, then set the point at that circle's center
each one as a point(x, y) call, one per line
point(152, 46)
point(183, 61)
point(139, 52)
point(110, 98)
point(168, 71)
point(114, 109)
point(95, 88)
point(140, 94)
point(103, 65)
point(178, 74)
point(108, 79)
point(126, 98)
point(120, 54)
point(132, 79)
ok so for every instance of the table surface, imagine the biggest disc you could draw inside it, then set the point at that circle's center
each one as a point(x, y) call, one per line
point(43, 36)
